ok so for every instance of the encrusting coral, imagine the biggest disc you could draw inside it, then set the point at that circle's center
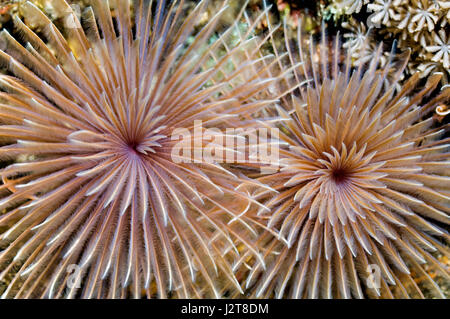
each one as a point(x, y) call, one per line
point(419, 25)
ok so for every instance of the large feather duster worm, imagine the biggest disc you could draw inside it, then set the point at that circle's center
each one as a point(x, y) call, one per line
point(93, 203)
point(361, 201)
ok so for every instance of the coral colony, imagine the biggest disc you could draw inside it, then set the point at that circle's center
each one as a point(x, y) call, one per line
point(145, 154)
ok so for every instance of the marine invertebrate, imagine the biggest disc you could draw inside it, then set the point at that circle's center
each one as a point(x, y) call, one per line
point(351, 6)
point(384, 11)
point(92, 184)
point(359, 43)
point(440, 49)
point(417, 26)
point(363, 185)
point(424, 15)
point(357, 37)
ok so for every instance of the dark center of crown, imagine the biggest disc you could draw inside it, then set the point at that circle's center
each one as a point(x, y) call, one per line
point(132, 147)
point(339, 175)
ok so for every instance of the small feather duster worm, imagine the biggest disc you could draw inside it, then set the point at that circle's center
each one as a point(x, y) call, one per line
point(362, 195)
point(91, 191)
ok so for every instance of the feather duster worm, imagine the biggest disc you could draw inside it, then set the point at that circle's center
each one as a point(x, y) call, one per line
point(92, 191)
point(363, 184)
